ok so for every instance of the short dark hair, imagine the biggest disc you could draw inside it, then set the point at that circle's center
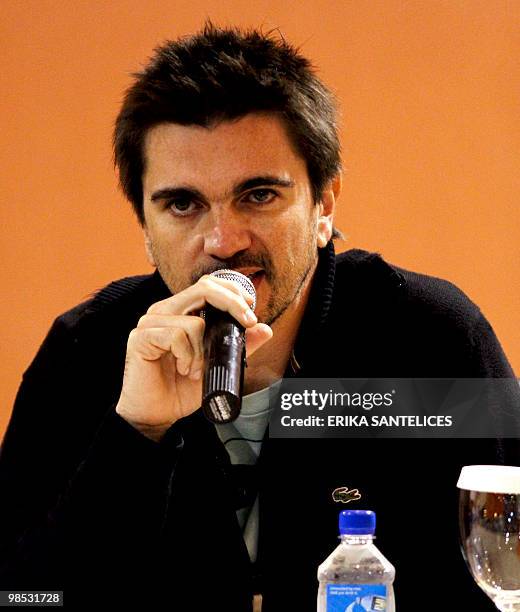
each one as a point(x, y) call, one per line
point(223, 74)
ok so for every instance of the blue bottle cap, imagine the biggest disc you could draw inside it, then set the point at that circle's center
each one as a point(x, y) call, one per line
point(357, 522)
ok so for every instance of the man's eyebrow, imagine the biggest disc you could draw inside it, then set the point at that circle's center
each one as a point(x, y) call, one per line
point(250, 183)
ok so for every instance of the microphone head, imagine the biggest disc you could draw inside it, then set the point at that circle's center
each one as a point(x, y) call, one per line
point(240, 279)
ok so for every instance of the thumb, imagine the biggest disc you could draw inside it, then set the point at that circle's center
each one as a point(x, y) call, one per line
point(256, 337)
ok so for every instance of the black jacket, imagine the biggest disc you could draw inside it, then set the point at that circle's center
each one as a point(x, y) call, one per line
point(92, 507)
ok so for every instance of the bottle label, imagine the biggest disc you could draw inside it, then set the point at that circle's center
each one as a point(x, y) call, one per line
point(356, 597)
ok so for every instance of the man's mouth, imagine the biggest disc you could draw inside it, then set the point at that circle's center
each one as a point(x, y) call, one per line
point(255, 276)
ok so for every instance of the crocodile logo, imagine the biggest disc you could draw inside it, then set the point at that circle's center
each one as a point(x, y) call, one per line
point(343, 495)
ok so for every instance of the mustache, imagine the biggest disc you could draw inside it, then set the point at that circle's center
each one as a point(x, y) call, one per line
point(257, 260)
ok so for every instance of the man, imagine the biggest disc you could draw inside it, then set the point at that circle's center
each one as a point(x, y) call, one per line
point(115, 487)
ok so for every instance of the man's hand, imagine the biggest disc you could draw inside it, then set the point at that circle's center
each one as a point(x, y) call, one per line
point(165, 357)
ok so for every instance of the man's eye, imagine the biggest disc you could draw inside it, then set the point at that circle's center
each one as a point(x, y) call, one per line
point(261, 196)
point(181, 208)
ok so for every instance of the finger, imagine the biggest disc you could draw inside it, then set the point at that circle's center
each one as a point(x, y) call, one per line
point(152, 343)
point(212, 291)
point(235, 287)
point(256, 337)
point(172, 304)
point(193, 326)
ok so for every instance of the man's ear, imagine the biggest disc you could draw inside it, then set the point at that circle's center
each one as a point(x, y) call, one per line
point(327, 205)
point(148, 248)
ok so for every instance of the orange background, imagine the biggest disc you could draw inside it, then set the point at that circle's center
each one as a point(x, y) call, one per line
point(429, 92)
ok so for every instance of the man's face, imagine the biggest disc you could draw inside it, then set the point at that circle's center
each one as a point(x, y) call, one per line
point(236, 195)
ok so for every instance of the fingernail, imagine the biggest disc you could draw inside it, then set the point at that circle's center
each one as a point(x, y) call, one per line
point(250, 316)
point(196, 375)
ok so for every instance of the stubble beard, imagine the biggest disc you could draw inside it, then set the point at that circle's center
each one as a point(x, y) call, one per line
point(278, 302)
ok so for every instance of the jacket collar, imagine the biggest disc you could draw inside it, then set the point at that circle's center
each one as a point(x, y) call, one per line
point(317, 310)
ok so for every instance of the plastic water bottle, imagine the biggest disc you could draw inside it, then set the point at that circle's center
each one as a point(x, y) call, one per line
point(356, 577)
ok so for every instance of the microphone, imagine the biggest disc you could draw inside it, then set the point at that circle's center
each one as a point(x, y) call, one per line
point(224, 357)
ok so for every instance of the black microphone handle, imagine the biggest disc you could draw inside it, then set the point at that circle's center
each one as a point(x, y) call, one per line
point(224, 362)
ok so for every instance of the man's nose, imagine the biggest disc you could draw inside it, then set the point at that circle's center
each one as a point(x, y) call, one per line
point(226, 235)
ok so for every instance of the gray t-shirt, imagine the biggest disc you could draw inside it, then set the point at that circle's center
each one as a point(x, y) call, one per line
point(243, 441)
